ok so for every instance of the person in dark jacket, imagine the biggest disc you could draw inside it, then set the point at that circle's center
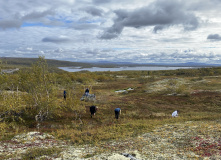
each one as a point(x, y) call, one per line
point(65, 95)
point(86, 91)
point(117, 112)
point(93, 110)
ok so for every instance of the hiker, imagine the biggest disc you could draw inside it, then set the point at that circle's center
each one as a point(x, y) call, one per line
point(65, 95)
point(93, 110)
point(175, 113)
point(117, 112)
point(86, 92)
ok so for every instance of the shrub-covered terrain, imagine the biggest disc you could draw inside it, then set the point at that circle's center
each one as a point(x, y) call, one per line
point(32, 101)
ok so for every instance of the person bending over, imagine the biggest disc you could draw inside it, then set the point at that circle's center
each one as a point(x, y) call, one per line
point(117, 112)
point(175, 113)
point(93, 110)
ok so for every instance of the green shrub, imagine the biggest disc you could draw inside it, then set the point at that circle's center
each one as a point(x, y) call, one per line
point(34, 153)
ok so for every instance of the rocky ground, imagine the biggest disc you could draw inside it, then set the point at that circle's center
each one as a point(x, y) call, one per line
point(189, 140)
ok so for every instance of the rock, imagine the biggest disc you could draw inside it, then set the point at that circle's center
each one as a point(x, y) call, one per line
point(117, 157)
point(129, 156)
point(31, 136)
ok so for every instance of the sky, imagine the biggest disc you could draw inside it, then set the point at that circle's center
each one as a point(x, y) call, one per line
point(139, 31)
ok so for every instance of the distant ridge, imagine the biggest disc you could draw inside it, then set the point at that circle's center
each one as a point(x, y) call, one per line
point(27, 62)
point(190, 64)
point(187, 64)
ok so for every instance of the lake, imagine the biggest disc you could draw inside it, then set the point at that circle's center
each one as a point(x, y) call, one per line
point(125, 68)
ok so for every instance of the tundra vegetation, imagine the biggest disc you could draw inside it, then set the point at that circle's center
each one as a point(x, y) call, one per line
point(31, 99)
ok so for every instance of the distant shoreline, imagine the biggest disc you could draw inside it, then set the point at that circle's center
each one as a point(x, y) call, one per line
point(123, 68)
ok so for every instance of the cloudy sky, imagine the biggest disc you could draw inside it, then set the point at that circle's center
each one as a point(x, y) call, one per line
point(147, 31)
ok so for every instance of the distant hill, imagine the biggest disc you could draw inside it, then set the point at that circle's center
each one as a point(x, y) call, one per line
point(187, 64)
point(27, 62)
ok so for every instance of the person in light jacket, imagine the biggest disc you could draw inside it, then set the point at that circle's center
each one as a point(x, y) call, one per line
point(175, 113)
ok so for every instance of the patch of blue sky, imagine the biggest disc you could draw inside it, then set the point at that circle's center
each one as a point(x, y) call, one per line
point(61, 19)
point(27, 24)
point(69, 20)
point(122, 48)
point(92, 21)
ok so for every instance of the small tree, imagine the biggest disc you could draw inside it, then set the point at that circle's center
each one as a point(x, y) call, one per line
point(12, 106)
point(38, 83)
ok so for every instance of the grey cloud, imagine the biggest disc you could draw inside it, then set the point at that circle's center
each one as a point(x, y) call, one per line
point(215, 37)
point(160, 14)
point(93, 11)
point(203, 5)
point(158, 27)
point(23, 11)
point(56, 39)
point(101, 1)
point(112, 32)
point(17, 20)
point(59, 50)
point(109, 2)
point(4, 24)
point(36, 15)
point(85, 26)
point(107, 35)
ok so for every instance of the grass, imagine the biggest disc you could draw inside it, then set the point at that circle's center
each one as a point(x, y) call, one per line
point(138, 108)
point(41, 153)
point(145, 108)
point(141, 111)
